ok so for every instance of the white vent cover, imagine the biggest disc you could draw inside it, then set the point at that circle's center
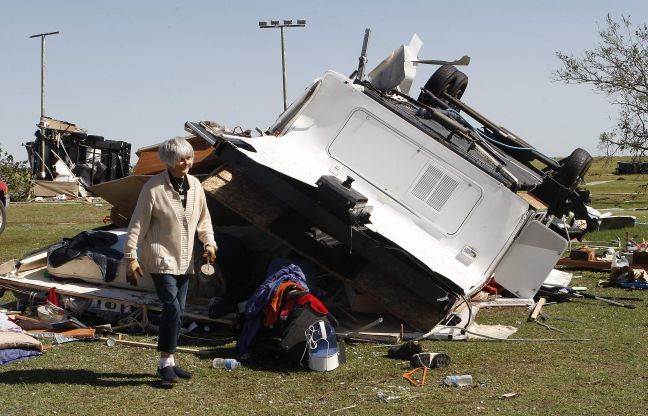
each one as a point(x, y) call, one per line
point(427, 182)
point(434, 187)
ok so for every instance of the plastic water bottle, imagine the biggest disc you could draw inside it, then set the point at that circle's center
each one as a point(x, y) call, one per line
point(458, 381)
point(227, 363)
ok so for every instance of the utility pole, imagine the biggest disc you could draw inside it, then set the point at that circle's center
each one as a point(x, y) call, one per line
point(42, 99)
point(278, 24)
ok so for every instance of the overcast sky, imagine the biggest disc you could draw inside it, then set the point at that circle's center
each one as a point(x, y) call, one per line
point(137, 70)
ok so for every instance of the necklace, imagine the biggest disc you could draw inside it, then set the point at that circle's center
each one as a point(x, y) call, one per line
point(180, 183)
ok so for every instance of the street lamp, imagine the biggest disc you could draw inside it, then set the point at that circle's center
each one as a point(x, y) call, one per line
point(42, 146)
point(281, 24)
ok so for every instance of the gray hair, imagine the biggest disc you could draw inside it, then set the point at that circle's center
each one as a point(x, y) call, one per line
point(172, 150)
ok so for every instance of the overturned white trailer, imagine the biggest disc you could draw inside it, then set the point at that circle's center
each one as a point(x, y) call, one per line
point(416, 202)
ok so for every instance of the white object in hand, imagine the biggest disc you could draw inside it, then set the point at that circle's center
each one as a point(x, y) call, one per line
point(207, 269)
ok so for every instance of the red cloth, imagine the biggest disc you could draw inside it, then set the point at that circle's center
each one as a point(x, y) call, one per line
point(314, 303)
point(309, 299)
point(51, 296)
point(272, 310)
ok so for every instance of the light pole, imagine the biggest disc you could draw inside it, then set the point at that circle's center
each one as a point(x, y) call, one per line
point(281, 25)
point(42, 146)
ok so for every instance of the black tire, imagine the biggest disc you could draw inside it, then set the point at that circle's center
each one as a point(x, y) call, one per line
point(574, 168)
point(3, 217)
point(460, 85)
point(443, 80)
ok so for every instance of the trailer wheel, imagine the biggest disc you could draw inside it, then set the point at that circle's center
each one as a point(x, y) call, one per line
point(460, 85)
point(446, 79)
point(574, 167)
point(443, 79)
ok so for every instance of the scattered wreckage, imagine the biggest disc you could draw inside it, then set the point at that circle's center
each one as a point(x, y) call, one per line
point(415, 203)
point(66, 160)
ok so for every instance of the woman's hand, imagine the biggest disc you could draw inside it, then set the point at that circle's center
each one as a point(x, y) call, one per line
point(209, 253)
point(133, 271)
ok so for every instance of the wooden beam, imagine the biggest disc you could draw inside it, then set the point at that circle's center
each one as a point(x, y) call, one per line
point(398, 300)
point(244, 197)
point(148, 345)
point(536, 309)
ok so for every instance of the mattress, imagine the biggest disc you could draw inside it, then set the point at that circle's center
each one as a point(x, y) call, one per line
point(85, 269)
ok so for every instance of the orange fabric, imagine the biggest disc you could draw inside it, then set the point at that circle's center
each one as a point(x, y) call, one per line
point(271, 311)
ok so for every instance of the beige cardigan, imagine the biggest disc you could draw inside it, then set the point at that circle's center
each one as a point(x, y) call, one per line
point(164, 230)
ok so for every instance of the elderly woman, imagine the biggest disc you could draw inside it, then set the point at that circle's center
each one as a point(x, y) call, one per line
point(170, 210)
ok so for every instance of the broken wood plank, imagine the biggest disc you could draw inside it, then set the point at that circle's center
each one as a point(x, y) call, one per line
point(153, 346)
point(7, 267)
point(595, 265)
point(244, 197)
point(77, 333)
point(28, 323)
point(584, 264)
point(536, 309)
point(149, 162)
point(398, 300)
point(532, 200)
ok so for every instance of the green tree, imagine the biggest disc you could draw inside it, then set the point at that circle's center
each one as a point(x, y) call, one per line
point(16, 175)
point(618, 68)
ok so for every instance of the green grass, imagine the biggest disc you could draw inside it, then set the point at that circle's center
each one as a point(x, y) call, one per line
point(603, 376)
point(570, 378)
point(609, 190)
point(35, 225)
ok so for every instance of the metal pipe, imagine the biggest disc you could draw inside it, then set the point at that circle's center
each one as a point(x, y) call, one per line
point(499, 131)
point(364, 328)
point(283, 67)
point(42, 76)
point(363, 56)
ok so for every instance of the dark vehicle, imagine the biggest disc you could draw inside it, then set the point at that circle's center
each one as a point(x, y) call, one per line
point(4, 201)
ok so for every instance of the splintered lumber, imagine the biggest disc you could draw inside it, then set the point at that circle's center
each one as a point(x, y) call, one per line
point(149, 162)
point(585, 264)
point(75, 333)
point(121, 193)
point(7, 267)
point(536, 309)
point(397, 299)
point(595, 264)
point(244, 197)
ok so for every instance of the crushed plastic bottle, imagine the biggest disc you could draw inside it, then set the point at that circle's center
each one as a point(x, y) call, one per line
point(458, 381)
point(227, 363)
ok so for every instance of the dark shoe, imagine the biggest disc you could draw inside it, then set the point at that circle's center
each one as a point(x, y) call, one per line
point(405, 351)
point(181, 372)
point(168, 375)
point(430, 360)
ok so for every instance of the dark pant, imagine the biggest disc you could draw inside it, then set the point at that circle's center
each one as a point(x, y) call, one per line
point(172, 291)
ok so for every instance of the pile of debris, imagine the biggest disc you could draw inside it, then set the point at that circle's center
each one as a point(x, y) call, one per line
point(386, 202)
point(66, 160)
